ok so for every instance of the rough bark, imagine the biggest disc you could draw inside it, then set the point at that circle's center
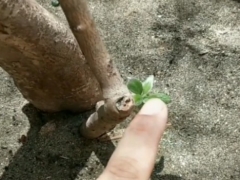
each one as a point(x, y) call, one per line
point(117, 104)
point(44, 59)
point(49, 69)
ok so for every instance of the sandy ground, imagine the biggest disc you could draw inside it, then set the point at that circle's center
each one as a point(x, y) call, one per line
point(193, 49)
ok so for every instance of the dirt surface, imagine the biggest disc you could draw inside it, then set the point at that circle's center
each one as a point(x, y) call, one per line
point(193, 49)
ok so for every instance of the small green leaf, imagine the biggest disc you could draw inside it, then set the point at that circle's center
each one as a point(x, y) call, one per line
point(138, 99)
point(148, 84)
point(135, 86)
point(164, 97)
point(55, 3)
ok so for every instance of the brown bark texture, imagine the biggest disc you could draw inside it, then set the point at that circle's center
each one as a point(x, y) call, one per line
point(44, 59)
point(117, 103)
point(56, 69)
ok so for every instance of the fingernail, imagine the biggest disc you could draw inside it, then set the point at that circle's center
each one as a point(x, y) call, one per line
point(152, 107)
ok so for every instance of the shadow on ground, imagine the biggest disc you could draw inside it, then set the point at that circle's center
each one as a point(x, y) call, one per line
point(159, 168)
point(60, 153)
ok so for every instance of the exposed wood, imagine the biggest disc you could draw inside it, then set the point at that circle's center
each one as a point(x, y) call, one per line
point(118, 103)
point(44, 59)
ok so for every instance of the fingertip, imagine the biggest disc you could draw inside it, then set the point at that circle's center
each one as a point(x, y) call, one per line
point(153, 107)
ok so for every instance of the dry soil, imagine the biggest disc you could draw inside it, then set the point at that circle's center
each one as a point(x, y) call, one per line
point(193, 49)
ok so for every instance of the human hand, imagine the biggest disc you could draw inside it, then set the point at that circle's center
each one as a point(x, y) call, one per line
point(135, 155)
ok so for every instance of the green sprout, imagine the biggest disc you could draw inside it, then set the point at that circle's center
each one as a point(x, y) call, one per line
point(55, 3)
point(143, 91)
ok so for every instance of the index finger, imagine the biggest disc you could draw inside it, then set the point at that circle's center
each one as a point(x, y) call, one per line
point(135, 155)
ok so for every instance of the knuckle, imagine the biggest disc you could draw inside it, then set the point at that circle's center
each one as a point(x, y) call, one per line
point(124, 168)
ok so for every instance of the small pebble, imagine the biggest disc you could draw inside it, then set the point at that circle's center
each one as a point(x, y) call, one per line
point(4, 147)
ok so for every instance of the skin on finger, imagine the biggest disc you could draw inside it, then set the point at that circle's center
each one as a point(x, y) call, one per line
point(135, 155)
